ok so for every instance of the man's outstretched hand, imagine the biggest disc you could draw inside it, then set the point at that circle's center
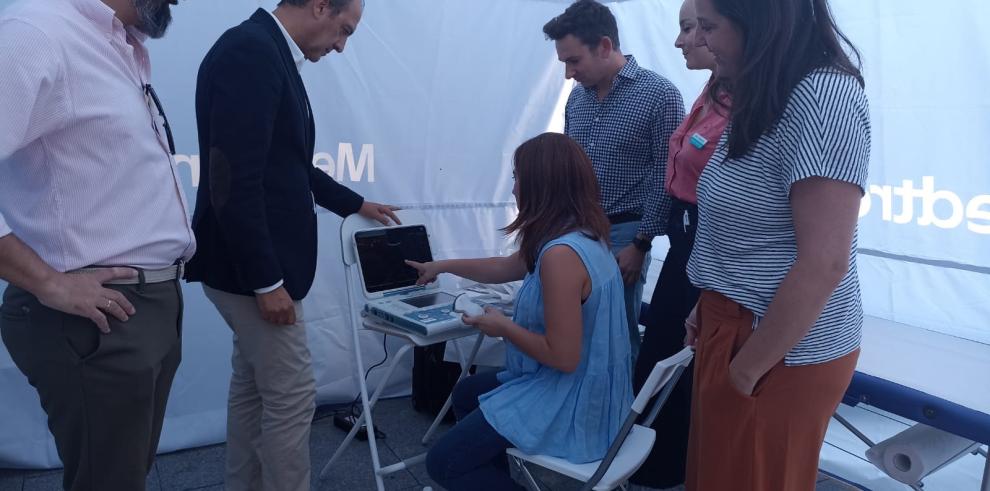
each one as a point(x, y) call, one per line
point(385, 214)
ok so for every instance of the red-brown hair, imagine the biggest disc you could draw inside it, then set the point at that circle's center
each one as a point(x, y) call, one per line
point(558, 193)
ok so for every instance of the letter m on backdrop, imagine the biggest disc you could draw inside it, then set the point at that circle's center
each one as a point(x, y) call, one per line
point(361, 169)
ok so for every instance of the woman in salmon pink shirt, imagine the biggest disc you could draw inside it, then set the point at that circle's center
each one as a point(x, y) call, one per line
point(690, 147)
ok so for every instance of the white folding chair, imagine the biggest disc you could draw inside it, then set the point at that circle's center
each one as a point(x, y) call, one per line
point(352, 283)
point(631, 445)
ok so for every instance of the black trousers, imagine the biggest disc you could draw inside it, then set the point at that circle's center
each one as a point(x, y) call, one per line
point(672, 301)
point(104, 395)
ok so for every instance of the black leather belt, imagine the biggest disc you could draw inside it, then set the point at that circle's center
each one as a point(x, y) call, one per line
point(678, 205)
point(624, 217)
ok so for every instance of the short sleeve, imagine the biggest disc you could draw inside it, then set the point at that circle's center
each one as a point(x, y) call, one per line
point(825, 130)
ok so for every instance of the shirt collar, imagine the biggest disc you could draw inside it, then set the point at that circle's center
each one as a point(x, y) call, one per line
point(99, 14)
point(629, 71)
point(297, 55)
point(136, 34)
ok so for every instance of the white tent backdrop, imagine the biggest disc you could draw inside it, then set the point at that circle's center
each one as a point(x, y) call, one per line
point(431, 97)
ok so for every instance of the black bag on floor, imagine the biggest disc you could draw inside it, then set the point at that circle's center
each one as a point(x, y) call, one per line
point(432, 379)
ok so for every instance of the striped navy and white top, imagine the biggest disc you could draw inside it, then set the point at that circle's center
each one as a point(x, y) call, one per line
point(746, 243)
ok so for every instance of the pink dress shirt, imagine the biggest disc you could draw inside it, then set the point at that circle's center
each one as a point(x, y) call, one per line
point(686, 161)
point(85, 173)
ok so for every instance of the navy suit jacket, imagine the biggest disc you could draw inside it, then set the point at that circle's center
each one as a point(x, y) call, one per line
point(254, 221)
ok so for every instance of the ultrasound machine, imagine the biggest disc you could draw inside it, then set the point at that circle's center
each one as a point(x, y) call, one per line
point(390, 284)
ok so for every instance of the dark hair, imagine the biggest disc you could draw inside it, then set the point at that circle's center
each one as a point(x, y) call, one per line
point(558, 193)
point(715, 89)
point(586, 20)
point(335, 5)
point(783, 40)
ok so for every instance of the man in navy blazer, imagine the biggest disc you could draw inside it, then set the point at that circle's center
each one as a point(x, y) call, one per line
point(256, 226)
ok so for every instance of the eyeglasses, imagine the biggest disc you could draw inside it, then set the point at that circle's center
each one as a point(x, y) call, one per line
point(149, 92)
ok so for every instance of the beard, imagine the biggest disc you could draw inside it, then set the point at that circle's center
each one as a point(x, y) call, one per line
point(154, 17)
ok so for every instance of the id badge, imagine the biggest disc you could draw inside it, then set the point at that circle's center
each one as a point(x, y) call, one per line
point(698, 141)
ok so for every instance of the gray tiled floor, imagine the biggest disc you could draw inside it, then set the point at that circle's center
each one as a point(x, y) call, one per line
point(201, 469)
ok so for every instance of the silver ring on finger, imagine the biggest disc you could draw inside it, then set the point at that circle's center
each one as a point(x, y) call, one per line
point(109, 304)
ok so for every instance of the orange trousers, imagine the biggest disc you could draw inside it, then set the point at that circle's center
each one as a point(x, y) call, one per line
point(768, 441)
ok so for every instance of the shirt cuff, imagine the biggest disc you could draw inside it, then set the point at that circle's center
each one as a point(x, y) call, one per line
point(4, 228)
point(270, 289)
point(649, 230)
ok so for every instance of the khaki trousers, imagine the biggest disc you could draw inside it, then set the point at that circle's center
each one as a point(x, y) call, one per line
point(272, 399)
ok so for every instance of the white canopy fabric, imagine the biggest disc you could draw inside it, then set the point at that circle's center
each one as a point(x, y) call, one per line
point(431, 97)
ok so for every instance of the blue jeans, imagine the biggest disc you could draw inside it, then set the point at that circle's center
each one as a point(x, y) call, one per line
point(620, 236)
point(471, 456)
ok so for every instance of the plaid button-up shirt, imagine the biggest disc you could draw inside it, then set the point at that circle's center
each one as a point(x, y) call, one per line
point(627, 135)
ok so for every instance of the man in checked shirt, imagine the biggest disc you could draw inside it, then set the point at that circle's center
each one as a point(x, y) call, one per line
point(623, 116)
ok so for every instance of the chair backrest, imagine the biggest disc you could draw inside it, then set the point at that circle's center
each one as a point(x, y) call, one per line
point(664, 375)
point(661, 374)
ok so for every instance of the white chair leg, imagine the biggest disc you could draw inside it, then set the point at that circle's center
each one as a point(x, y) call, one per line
point(372, 442)
point(530, 481)
point(388, 372)
point(359, 373)
point(366, 409)
point(366, 404)
point(465, 368)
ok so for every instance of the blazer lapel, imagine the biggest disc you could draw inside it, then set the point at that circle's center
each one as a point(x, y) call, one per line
point(310, 124)
point(289, 65)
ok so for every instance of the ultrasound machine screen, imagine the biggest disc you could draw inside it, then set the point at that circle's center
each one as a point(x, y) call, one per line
point(382, 253)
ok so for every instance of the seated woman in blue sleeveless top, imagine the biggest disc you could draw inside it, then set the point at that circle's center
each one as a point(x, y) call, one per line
point(566, 384)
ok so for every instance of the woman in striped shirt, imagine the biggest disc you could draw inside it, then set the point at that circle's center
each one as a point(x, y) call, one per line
point(691, 145)
point(777, 328)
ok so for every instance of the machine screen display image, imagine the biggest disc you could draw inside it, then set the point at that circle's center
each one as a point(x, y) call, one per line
point(382, 254)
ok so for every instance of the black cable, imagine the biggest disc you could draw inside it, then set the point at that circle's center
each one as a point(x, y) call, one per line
point(352, 406)
point(354, 403)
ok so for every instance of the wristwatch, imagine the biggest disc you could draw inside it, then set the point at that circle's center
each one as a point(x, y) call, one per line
point(644, 245)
